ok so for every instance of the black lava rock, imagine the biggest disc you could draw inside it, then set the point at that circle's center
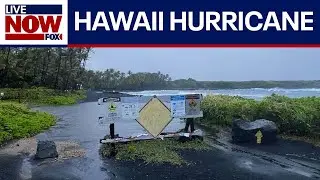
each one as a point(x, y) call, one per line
point(245, 131)
point(46, 149)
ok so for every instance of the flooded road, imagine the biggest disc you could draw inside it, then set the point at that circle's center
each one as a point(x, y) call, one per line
point(79, 124)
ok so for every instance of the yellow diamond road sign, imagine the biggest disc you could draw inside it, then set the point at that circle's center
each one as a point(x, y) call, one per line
point(154, 117)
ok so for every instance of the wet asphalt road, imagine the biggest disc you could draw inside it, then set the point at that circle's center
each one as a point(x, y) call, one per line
point(80, 123)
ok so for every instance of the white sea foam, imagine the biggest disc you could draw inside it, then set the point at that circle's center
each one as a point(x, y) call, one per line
point(256, 93)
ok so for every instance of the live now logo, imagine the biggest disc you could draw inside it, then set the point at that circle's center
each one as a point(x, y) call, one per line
point(34, 22)
point(16, 9)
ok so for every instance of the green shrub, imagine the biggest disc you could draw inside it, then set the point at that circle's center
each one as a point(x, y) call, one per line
point(18, 121)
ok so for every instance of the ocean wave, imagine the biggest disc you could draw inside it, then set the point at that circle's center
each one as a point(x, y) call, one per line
point(293, 90)
point(251, 93)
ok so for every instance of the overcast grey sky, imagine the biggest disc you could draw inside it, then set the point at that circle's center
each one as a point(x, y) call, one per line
point(213, 64)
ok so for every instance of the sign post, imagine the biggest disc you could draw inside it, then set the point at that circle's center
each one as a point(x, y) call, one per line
point(113, 109)
point(113, 113)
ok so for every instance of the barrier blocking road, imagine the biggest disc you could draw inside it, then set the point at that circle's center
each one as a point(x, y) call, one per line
point(153, 113)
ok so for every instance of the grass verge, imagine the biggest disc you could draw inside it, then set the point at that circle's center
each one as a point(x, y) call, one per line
point(155, 151)
point(43, 96)
point(18, 121)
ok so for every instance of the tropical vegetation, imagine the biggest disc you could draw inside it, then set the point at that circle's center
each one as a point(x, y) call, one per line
point(18, 121)
point(293, 116)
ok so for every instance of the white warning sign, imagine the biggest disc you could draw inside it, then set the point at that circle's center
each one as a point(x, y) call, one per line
point(130, 110)
point(178, 106)
point(113, 109)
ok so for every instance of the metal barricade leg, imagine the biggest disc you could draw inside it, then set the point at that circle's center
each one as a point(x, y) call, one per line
point(112, 136)
point(189, 122)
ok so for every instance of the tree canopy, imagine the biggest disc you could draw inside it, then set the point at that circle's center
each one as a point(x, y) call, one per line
point(57, 68)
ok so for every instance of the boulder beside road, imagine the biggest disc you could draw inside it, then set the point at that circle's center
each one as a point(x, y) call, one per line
point(46, 149)
point(246, 131)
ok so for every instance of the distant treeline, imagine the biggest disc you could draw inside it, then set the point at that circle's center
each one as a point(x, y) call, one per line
point(64, 69)
point(111, 79)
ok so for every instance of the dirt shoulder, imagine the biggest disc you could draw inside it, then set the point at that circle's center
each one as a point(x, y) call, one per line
point(28, 147)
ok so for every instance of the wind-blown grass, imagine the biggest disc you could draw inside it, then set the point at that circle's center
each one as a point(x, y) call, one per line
point(293, 116)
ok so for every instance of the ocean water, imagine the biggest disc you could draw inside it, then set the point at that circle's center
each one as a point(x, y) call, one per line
point(254, 93)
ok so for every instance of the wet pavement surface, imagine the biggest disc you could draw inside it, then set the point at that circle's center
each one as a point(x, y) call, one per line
point(293, 149)
point(9, 166)
point(80, 123)
point(212, 164)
